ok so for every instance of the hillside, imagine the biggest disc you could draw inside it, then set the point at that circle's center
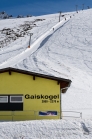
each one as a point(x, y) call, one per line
point(15, 33)
point(66, 52)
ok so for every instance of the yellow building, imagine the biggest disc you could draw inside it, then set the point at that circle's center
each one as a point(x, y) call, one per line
point(26, 95)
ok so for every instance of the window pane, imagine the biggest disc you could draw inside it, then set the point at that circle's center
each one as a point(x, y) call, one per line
point(16, 98)
point(3, 98)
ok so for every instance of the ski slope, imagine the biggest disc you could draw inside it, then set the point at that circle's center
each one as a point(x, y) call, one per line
point(67, 53)
point(64, 52)
point(9, 47)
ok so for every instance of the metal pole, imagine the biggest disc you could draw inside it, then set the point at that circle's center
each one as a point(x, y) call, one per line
point(30, 40)
point(59, 18)
point(81, 115)
point(76, 7)
point(83, 6)
point(59, 15)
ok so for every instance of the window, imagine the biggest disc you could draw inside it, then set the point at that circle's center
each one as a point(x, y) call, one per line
point(14, 99)
point(3, 99)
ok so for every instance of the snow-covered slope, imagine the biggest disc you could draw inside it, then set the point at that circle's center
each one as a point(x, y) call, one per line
point(66, 52)
point(15, 33)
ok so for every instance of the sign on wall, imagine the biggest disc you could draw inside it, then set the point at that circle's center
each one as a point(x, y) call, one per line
point(44, 98)
point(47, 113)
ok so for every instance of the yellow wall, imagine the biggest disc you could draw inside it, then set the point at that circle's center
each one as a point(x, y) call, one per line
point(18, 83)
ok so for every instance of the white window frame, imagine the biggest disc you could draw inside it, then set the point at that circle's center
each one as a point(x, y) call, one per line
point(16, 101)
point(4, 101)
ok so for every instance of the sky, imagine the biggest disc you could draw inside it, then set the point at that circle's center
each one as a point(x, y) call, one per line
point(41, 7)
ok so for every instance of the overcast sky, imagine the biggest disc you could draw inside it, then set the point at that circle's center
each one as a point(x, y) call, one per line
point(40, 7)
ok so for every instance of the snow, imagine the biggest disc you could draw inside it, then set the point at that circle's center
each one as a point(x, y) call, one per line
point(47, 129)
point(64, 52)
point(33, 48)
point(67, 54)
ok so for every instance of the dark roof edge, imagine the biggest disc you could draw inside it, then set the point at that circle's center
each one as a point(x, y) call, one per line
point(35, 74)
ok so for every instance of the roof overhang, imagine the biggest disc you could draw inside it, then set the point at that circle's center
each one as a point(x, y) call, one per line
point(64, 83)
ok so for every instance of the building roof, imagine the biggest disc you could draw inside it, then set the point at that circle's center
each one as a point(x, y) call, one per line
point(64, 83)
